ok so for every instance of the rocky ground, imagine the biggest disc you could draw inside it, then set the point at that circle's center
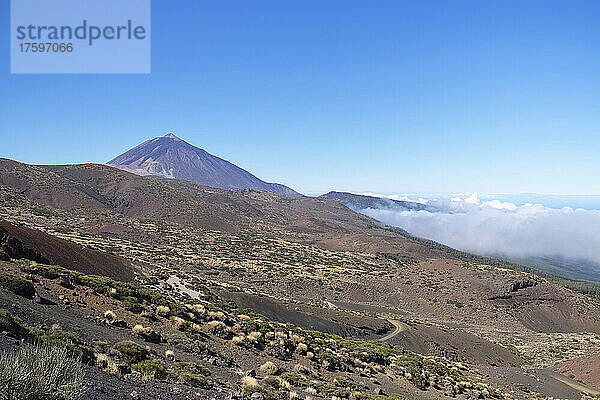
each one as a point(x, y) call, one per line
point(341, 307)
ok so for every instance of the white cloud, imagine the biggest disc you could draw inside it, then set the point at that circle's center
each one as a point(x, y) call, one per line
point(496, 227)
point(393, 197)
point(472, 199)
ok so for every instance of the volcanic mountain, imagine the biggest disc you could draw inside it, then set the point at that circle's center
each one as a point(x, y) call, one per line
point(172, 157)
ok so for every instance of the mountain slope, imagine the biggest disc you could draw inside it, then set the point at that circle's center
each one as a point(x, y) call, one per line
point(359, 202)
point(21, 242)
point(98, 188)
point(310, 261)
point(171, 157)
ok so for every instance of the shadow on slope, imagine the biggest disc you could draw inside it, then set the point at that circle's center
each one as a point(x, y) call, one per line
point(20, 242)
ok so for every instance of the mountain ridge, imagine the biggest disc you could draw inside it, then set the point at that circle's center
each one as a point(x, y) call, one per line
point(359, 202)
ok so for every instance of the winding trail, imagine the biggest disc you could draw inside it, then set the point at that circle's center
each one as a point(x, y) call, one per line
point(399, 327)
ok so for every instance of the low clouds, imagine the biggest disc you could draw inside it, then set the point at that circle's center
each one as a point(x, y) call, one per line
point(500, 227)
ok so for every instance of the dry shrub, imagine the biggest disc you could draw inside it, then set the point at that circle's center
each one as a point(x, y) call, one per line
point(301, 348)
point(215, 326)
point(110, 315)
point(254, 336)
point(106, 363)
point(295, 338)
point(248, 381)
point(177, 322)
point(299, 368)
point(139, 329)
point(280, 335)
point(284, 384)
point(269, 368)
point(162, 310)
point(218, 316)
point(238, 339)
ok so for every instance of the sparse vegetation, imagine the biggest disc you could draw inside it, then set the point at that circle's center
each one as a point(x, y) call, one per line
point(102, 285)
point(290, 264)
point(190, 373)
point(17, 285)
point(56, 337)
point(455, 303)
point(132, 352)
point(151, 368)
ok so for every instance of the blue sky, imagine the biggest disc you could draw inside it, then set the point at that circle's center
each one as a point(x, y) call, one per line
point(386, 96)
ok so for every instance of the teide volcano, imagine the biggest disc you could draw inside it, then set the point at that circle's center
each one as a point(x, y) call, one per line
point(172, 157)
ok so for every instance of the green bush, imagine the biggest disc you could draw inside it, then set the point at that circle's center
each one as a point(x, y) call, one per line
point(190, 373)
point(271, 381)
point(4, 256)
point(36, 372)
point(50, 271)
point(14, 326)
point(132, 352)
point(17, 285)
point(131, 303)
point(191, 367)
point(151, 368)
point(70, 341)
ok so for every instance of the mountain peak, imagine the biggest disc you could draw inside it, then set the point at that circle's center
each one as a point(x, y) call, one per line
point(176, 159)
point(171, 135)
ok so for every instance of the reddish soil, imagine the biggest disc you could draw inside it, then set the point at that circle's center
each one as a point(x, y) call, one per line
point(584, 369)
point(21, 242)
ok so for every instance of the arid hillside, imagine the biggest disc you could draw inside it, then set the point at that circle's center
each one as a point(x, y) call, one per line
point(311, 263)
point(18, 242)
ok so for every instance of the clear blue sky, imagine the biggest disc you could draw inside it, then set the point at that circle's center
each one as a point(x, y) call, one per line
point(384, 96)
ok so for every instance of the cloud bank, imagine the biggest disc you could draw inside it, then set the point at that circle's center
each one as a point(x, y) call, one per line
point(498, 227)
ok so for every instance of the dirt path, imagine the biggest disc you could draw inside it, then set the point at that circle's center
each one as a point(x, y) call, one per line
point(574, 384)
point(398, 327)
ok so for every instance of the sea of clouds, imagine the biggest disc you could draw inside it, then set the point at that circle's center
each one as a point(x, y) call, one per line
point(495, 227)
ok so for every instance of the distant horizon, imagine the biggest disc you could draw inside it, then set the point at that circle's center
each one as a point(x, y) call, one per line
point(312, 192)
point(552, 200)
point(424, 194)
